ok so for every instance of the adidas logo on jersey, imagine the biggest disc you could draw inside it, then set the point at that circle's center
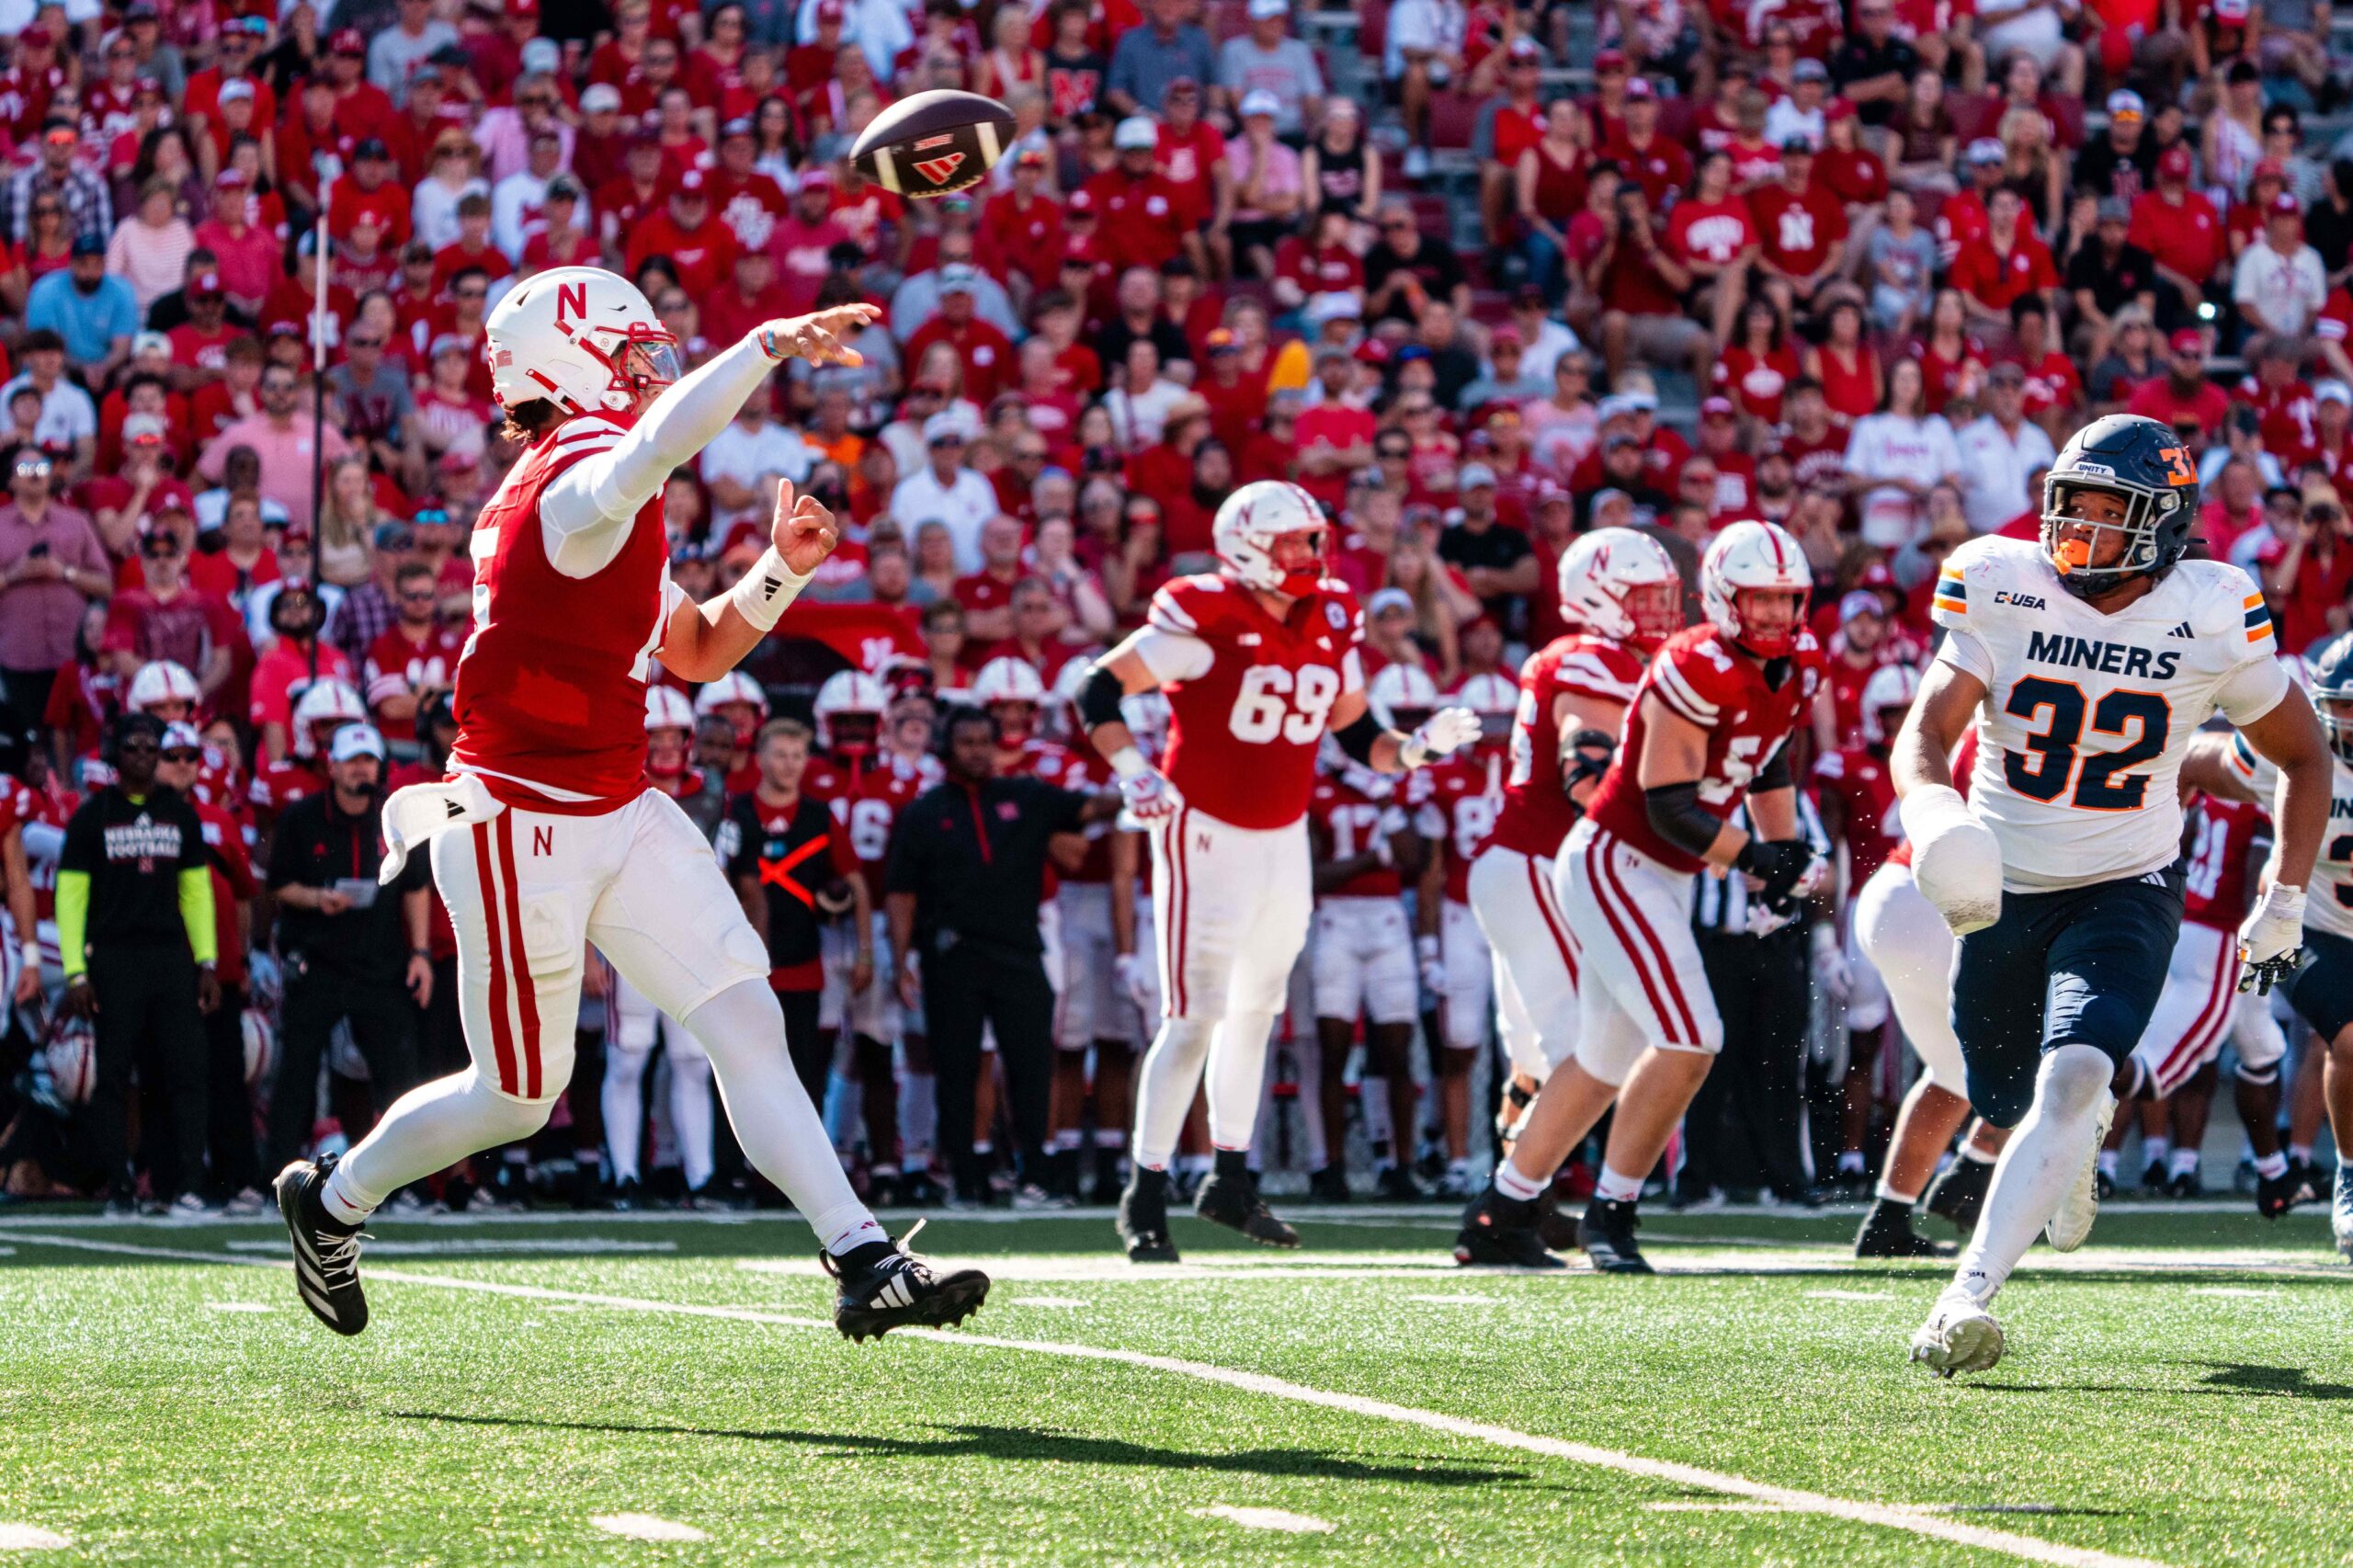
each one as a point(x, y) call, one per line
point(2183, 632)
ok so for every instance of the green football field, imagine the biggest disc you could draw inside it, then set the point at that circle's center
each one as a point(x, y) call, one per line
point(636, 1388)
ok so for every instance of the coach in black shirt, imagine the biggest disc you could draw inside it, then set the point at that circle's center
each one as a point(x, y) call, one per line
point(967, 867)
point(348, 949)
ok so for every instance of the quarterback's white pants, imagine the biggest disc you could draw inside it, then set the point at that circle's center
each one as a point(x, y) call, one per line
point(1643, 984)
point(1093, 1005)
point(2200, 1008)
point(1363, 958)
point(1536, 957)
point(1867, 998)
point(634, 1024)
point(1911, 949)
point(1230, 906)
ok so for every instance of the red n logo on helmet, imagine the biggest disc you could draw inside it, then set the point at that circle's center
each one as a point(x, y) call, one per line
point(571, 300)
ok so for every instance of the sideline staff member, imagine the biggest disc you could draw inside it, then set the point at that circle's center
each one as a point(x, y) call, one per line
point(968, 866)
point(134, 927)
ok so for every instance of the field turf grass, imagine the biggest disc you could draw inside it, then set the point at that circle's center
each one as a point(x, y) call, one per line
point(2181, 1392)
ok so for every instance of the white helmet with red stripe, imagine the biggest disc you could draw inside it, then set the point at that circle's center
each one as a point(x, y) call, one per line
point(849, 693)
point(1754, 557)
point(1496, 699)
point(1249, 523)
point(161, 681)
point(732, 686)
point(580, 338)
point(1603, 575)
point(1007, 679)
point(1890, 685)
point(1402, 696)
point(667, 708)
point(327, 702)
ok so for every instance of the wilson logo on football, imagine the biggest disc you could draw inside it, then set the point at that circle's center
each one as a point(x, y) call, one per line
point(939, 170)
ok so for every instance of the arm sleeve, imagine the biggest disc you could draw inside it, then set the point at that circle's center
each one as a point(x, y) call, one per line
point(1171, 656)
point(196, 913)
point(586, 510)
point(73, 920)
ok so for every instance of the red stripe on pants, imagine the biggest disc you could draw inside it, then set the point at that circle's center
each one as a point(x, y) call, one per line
point(1178, 907)
point(1541, 886)
point(1596, 853)
point(526, 999)
point(1666, 964)
point(502, 1037)
point(2184, 1057)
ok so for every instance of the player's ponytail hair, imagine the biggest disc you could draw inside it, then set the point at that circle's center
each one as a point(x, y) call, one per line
point(526, 422)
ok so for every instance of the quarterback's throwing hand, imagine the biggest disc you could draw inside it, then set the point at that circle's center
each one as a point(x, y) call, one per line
point(1443, 733)
point(822, 338)
point(803, 534)
point(1149, 796)
point(2271, 943)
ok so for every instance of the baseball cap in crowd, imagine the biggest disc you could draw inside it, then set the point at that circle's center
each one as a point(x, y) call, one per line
point(2173, 163)
point(957, 278)
point(2188, 340)
point(1030, 158)
point(231, 178)
point(1717, 408)
point(2125, 104)
point(2333, 392)
point(601, 97)
point(1986, 150)
point(832, 11)
point(1260, 10)
point(524, 9)
point(181, 735)
point(88, 245)
point(2008, 373)
point(348, 40)
point(2285, 205)
point(144, 430)
point(1809, 69)
point(204, 286)
point(1220, 341)
point(1080, 203)
point(2269, 168)
point(1798, 144)
point(2233, 10)
point(150, 342)
point(2115, 209)
point(372, 147)
point(356, 740)
point(236, 87)
point(284, 328)
point(1373, 351)
point(564, 187)
point(1609, 60)
point(543, 56)
point(1387, 599)
point(1136, 133)
point(691, 186)
point(1504, 334)
point(1332, 304)
point(449, 343)
point(1475, 476)
point(942, 428)
point(1257, 101)
point(1640, 87)
point(1859, 601)
point(819, 179)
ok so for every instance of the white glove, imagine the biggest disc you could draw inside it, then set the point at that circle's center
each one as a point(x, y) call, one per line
point(2271, 942)
point(1134, 979)
point(1830, 964)
point(1442, 733)
point(1956, 859)
point(1149, 796)
point(1433, 966)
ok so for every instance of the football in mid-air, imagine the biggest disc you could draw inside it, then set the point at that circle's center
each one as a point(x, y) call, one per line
point(933, 142)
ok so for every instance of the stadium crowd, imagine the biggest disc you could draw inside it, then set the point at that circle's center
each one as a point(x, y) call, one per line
point(1479, 279)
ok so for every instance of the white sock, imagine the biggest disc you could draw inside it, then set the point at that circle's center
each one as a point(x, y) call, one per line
point(2185, 1162)
point(1977, 1156)
point(2300, 1151)
point(2108, 1163)
point(2271, 1167)
point(1512, 1185)
point(622, 1097)
point(1165, 1089)
point(1237, 1075)
point(918, 1121)
point(742, 1030)
point(2044, 1156)
point(1887, 1194)
point(691, 1112)
point(2154, 1151)
point(429, 1129)
point(1615, 1188)
point(1851, 1162)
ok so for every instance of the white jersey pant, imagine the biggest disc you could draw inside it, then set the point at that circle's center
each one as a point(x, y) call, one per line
point(1470, 977)
point(1911, 949)
point(1363, 958)
point(1149, 1008)
point(1231, 907)
point(873, 1012)
point(2200, 1009)
point(1643, 984)
point(52, 964)
point(1093, 1005)
point(1536, 956)
point(632, 1026)
point(528, 891)
point(1867, 998)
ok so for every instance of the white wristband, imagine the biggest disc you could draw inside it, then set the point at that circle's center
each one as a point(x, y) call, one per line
point(763, 592)
point(1128, 762)
point(30, 954)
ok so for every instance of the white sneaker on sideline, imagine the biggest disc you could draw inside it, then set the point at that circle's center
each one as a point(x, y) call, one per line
point(1417, 163)
point(2071, 1225)
point(1960, 1336)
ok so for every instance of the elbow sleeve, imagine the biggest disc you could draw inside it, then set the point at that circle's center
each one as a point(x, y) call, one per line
point(1775, 774)
point(1358, 738)
point(1676, 816)
point(1098, 698)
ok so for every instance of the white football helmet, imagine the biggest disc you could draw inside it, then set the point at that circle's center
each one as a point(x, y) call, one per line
point(328, 703)
point(732, 686)
point(581, 337)
point(1496, 699)
point(1250, 521)
point(161, 681)
point(1754, 556)
point(848, 693)
point(667, 708)
point(1402, 696)
point(1007, 679)
point(1890, 685)
point(1601, 575)
point(260, 1042)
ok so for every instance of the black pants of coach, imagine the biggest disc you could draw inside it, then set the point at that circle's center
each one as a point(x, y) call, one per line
point(147, 1024)
point(965, 987)
point(229, 1105)
point(1744, 1128)
point(2082, 966)
point(383, 1026)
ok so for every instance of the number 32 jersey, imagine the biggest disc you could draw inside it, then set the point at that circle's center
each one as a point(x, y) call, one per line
point(2088, 716)
point(1249, 696)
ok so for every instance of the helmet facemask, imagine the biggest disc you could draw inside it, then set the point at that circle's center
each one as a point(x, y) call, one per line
point(1767, 645)
point(1016, 720)
point(2335, 709)
point(2139, 553)
point(1656, 610)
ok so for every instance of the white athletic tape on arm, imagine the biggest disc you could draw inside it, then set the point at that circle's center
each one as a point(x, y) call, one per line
point(1956, 859)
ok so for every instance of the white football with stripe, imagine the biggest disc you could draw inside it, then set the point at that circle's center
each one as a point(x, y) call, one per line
point(934, 144)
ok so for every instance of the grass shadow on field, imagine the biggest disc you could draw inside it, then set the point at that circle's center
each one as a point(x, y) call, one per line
point(1032, 1444)
point(2237, 1380)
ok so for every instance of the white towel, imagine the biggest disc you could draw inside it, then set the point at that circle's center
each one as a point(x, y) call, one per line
point(422, 812)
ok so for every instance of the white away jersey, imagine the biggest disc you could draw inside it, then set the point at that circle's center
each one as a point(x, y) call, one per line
point(2088, 716)
point(2328, 902)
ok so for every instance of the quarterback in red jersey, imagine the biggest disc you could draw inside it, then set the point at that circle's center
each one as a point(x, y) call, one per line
point(1621, 597)
point(1259, 663)
point(1710, 724)
point(546, 836)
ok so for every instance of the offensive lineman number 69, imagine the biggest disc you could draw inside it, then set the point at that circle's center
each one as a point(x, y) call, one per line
point(1274, 701)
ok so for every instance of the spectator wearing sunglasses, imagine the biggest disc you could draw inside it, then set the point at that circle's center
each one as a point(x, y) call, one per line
point(51, 567)
point(58, 172)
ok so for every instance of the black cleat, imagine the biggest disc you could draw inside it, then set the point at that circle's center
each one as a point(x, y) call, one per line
point(628, 1198)
point(1503, 1233)
point(1143, 1218)
point(2103, 1185)
point(1329, 1185)
point(1231, 1198)
point(2186, 1184)
point(885, 1285)
point(1606, 1234)
point(1958, 1195)
point(2274, 1196)
point(2153, 1179)
point(1887, 1232)
point(326, 1251)
point(1396, 1184)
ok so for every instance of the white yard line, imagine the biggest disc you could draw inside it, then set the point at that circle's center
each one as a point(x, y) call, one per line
point(1267, 1519)
point(473, 1246)
point(31, 1537)
point(646, 1527)
point(1897, 1516)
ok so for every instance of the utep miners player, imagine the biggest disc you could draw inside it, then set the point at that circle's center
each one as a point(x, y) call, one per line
point(2088, 659)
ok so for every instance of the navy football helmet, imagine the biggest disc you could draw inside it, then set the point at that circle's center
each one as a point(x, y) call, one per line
point(2332, 681)
point(2145, 463)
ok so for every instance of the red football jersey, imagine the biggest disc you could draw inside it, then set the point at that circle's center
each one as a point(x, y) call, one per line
point(1859, 776)
point(1350, 813)
point(2217, 890)
point(233, 880)
point(279, 784)
point(20, 804)
point(866, 796)
point(1464, 800)
point(1702, 679)
point(398, 667)
point(550, 690)
point(1537, 814)
point(1243, 731)
point(1847, 684)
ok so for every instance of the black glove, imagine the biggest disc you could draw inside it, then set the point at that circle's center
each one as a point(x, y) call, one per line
point(1778, 863)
